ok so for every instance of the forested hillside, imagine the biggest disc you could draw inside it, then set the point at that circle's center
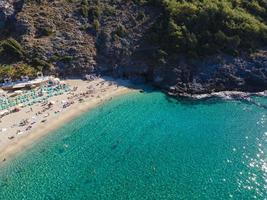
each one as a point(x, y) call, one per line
point(193, 46)
point(204, 27)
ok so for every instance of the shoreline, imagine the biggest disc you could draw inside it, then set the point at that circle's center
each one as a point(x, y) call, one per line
point(20, 144)
point(226, 95)
point(23, 142)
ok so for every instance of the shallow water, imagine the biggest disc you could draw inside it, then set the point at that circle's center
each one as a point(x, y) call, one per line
point(147, 146)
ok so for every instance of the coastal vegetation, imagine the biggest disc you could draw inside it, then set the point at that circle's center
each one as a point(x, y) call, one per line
point(10, 47)
point(167, 42)
point(207, 27)
point(16, 71)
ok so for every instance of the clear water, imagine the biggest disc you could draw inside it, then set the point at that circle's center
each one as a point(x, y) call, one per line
point(147, 146)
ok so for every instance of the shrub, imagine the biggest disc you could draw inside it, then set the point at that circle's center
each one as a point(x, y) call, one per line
point(121, 30)
point(16, 71)
point(96, 25)
point(84, 11)
point(140, 16)
point(11, 48)
point(44, 31)
point(41, 63)
point(210, 26)
point(94, 12)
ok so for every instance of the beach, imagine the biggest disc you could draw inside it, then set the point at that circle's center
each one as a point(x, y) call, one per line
point(21, 129)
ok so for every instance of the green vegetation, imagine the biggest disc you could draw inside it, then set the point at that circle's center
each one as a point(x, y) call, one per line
point(210, 26)
point(84, 8)
point(96, 25)
point(92, 13)
point(65, 58)
point(11, 48)
point(44, 31)
point(41, 64)
point(89, 11)
point(16, 71)
point(121, 30)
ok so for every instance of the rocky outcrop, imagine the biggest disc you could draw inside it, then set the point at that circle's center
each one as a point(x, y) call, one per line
point(51, 32)
point(73, 41)
point(221, 73)
point(7, 11)
point(109, 37)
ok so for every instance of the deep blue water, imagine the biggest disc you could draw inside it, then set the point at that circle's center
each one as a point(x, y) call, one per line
point(147, 146)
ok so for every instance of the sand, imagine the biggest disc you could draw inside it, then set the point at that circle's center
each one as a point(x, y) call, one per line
point(15, 138)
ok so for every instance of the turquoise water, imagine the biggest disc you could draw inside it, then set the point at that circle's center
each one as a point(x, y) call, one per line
point(147, 146)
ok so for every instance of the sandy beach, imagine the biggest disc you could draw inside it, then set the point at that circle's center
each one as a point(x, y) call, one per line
point(21, 129)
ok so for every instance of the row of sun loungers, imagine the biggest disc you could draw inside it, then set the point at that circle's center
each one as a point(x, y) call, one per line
point(33, 96)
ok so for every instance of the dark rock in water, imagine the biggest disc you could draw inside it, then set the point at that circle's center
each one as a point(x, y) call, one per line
point(114, 146)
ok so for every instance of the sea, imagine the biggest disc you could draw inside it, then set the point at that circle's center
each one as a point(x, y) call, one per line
point(148, 146)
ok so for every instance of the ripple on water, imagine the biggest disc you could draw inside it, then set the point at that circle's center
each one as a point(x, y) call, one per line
point(146, 146)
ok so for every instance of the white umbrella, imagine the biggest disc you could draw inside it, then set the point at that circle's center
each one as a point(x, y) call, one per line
point(4, 112)
point(52, 102)
point(3, 129)
point(18, 92)
point(20, 105)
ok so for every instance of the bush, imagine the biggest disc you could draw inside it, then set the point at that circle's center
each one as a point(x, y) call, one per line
point(84, 11)
point(120, 31)
point(96, 25)
point(94, 13)
point(141, 16)
point(41, 63)
point(44, 31)
point(16, 71)
point(210, 26)
point(11, 48)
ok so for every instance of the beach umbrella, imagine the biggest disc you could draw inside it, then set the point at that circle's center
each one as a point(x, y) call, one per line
point(52, 102)
point(20, 105)
point(18, 92)
point(4, 112)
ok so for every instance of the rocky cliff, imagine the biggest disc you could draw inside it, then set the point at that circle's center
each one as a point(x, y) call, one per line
point(74, 37)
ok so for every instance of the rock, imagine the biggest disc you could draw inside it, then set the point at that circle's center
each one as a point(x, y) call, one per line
point(7, 10)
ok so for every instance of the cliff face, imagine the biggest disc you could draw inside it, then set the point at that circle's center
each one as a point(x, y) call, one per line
point(7, 12)
point(74, 37)
point(51, 32)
